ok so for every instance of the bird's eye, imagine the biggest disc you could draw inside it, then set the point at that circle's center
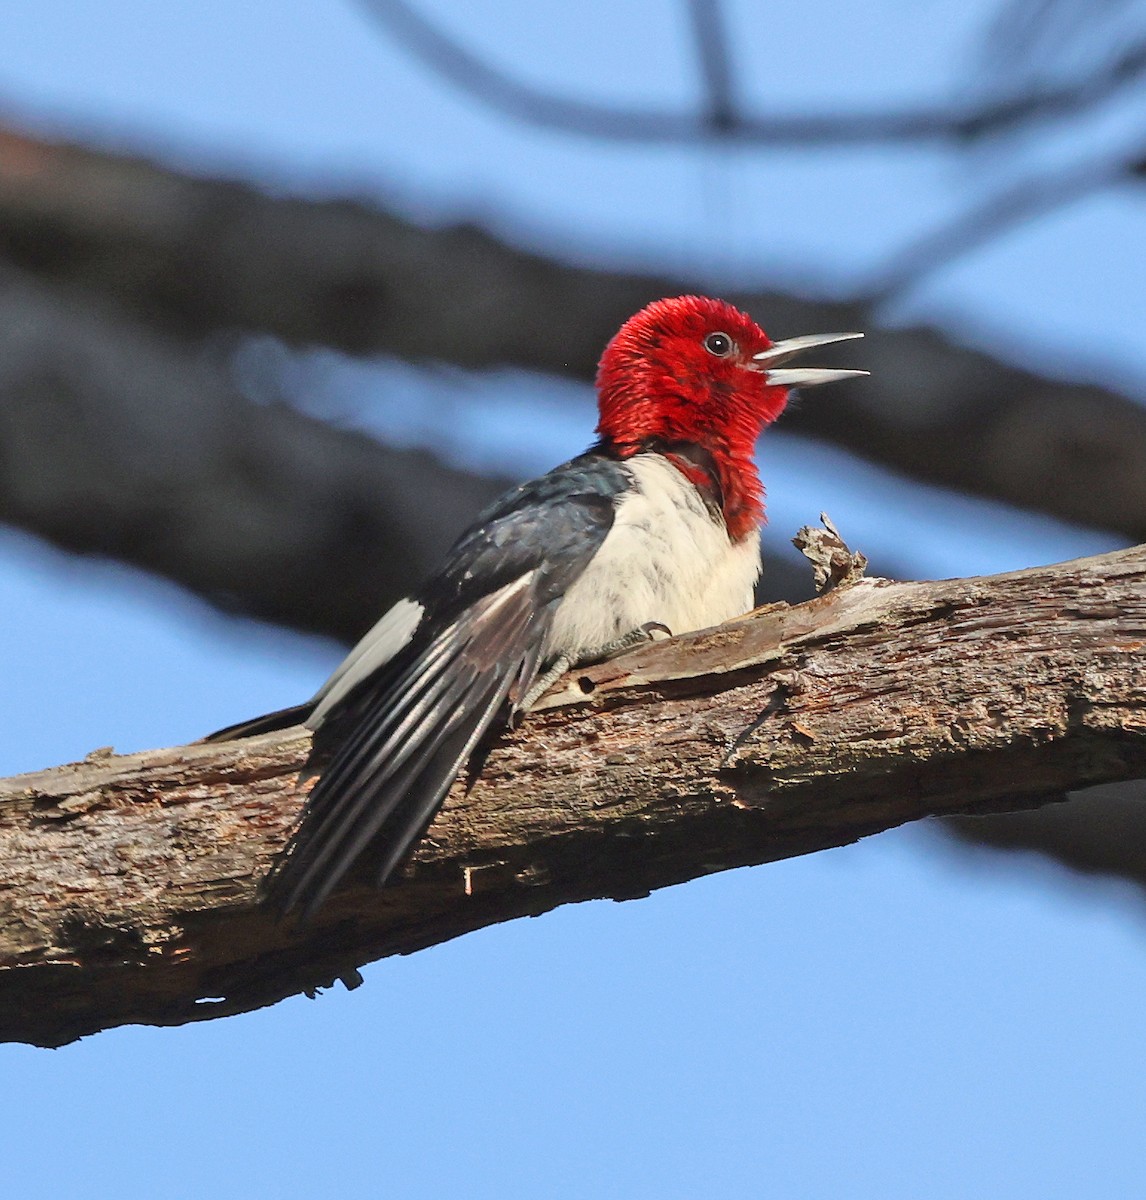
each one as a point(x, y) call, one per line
point(719, 344)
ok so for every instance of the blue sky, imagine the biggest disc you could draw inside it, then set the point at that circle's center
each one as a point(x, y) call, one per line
point(891, 1020)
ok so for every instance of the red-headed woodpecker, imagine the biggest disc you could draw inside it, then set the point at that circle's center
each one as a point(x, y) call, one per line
point(653, 528)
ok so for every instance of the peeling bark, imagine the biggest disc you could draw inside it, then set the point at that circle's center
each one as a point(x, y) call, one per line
point(130, 883)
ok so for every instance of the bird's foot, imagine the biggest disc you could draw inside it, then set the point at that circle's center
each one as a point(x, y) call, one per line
point(544, 682)
point(635, 637)
point(648, 632)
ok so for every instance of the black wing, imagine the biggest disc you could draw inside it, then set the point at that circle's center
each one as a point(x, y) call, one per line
point(396, 739)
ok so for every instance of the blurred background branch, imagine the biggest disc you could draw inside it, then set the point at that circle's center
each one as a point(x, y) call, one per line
point(198, 259)
point(959, 121)
point(1023, 201)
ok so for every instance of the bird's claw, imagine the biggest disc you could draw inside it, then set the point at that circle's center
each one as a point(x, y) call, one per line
point(635, 637)
point(650, 631)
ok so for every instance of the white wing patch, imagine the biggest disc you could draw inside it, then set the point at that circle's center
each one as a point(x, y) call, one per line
point(378, 647)
point(665, 559)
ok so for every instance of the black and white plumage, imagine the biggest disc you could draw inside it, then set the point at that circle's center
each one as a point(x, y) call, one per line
point(655, 526)
point(564, 565)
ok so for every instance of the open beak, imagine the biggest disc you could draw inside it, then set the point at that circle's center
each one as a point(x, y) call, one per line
point(770, 361)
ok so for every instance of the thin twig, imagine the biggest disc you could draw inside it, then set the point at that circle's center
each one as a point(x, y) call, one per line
point(494, 88)
point(1017, 205)
point(711, 34)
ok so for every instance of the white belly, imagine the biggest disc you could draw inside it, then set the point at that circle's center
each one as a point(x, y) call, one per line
point(665, 559)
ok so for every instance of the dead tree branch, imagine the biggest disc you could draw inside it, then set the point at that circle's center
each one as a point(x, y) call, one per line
point(130, 883)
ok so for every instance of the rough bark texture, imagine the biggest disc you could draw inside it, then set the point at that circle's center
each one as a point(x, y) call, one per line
point(130, 884)
point(198, 256)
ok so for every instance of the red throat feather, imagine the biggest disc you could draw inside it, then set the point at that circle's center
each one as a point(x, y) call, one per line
point(681, 372)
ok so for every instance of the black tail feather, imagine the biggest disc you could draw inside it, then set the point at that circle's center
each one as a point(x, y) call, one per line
point(398, 746)
point(285, 718)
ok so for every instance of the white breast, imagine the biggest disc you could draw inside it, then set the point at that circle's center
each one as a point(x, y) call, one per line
point(665, 559)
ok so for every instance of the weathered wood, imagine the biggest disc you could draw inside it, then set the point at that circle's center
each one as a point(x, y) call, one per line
point(130, 883)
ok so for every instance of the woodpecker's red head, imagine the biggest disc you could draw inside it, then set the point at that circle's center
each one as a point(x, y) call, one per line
point(696, 371)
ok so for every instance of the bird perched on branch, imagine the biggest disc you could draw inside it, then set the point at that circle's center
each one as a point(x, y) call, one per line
point(653, 530)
